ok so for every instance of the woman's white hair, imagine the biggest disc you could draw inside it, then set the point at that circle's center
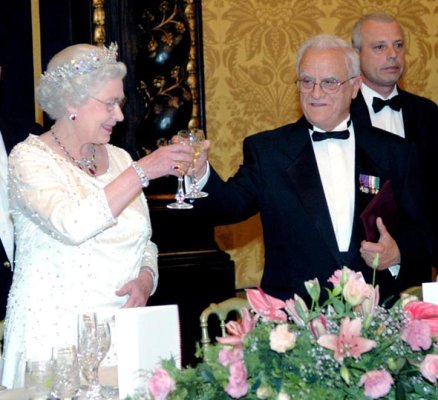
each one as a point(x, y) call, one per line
point(63, 85)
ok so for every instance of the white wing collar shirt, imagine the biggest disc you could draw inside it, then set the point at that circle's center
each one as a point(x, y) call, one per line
point(335, 159)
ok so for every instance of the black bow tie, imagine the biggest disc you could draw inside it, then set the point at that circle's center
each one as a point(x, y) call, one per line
point(393, 102)
point(317, 136)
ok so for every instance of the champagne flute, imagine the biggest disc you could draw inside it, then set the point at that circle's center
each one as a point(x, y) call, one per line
point(94, 339)
point(184, 137)
point(197, 138)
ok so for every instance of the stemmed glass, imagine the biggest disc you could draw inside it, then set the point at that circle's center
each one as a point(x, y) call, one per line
point(94, 340)
point(184, 137)
point(66, 381)
point(196, 140)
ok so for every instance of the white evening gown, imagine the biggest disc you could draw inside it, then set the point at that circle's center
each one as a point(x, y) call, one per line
point(71, 254)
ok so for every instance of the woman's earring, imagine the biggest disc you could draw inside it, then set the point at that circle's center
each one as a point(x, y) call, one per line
point(72, 116)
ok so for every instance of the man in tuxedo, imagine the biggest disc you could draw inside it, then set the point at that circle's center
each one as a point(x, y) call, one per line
point(311, 179)
point(380, 102)
point(11, 132)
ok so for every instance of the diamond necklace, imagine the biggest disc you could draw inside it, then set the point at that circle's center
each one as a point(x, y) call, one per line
point(89, 166)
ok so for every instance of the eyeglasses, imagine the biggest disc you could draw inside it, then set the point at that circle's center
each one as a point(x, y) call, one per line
point(329, 86)
point(111, 104)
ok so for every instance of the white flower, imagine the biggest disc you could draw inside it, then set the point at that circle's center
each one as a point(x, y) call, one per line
point(281, 339)
point(283, 396)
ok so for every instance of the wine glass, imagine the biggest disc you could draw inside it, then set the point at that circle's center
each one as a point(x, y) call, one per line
point(38, 379)
point(197, 138)
point(66, 382)
point(94, 340)
point(184, 137)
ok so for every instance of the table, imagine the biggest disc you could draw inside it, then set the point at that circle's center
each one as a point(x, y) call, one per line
point(107, 377)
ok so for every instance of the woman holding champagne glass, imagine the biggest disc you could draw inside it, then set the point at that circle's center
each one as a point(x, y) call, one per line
point(83, 233)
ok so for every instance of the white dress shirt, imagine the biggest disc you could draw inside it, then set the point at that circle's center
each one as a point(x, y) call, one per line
point(6, 227)
point(387, 119)
point(336, 160)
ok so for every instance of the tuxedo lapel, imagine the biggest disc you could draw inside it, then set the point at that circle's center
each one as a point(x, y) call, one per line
point(305, 178)
point(359, 110)
point(364, 165)
point(409, 117)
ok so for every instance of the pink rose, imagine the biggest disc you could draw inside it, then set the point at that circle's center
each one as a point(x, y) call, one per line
point(281, 339)
point(161, 384)
point(356, 291)
point(429, 368)
point(376, 383)
point(417, 334)
point(237, 383)
point(342, 276)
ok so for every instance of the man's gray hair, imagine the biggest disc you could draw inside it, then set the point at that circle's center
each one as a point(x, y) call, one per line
point(326, 41)
point(356, 33)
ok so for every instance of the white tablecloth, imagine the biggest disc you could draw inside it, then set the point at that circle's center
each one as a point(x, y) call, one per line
point(107, 377)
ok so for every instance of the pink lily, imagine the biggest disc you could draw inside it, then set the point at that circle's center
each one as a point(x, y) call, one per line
point(266, 306)
point(426, 312)
point(349, 343)
point(237, 330)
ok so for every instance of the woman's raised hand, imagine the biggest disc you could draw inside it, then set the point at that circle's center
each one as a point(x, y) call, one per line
point(167, 160)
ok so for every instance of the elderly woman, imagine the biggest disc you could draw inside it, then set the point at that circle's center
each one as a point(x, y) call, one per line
point(83, 233)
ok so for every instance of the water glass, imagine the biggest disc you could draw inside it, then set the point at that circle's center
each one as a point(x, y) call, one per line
point(66, 381)
point(38, 379)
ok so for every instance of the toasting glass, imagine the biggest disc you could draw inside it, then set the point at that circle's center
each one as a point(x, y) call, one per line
point(196, 140)
point(184, 137)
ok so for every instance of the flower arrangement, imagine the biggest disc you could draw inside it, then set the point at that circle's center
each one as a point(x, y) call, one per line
point(347, 348)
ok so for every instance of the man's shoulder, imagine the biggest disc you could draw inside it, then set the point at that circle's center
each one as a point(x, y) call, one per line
point(283, 131)
point(419, 102)
point(374, 135)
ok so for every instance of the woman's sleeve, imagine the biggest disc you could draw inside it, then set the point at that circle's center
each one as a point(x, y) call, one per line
point(53, 199)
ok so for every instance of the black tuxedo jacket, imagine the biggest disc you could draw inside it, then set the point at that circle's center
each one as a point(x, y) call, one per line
point(12, 132)
point(280, 179)
point(420, 120)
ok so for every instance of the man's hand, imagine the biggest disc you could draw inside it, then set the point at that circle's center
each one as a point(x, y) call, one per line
point(386, 247)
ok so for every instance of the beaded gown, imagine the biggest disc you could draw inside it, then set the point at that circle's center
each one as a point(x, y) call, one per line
point(71, 254)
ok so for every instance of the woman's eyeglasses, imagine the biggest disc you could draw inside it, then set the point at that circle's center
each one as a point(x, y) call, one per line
point(111, 104)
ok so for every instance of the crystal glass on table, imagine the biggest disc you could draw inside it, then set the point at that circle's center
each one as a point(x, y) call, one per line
point(66, 382)
point(38, 379)
point(94, 340)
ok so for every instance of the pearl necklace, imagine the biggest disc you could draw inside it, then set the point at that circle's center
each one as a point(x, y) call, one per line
point(87, 165)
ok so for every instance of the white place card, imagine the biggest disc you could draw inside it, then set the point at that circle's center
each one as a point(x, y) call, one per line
point(144, 336)
point(430, 292)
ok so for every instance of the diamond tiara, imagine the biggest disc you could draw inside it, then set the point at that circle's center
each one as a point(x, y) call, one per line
point(82, 65)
